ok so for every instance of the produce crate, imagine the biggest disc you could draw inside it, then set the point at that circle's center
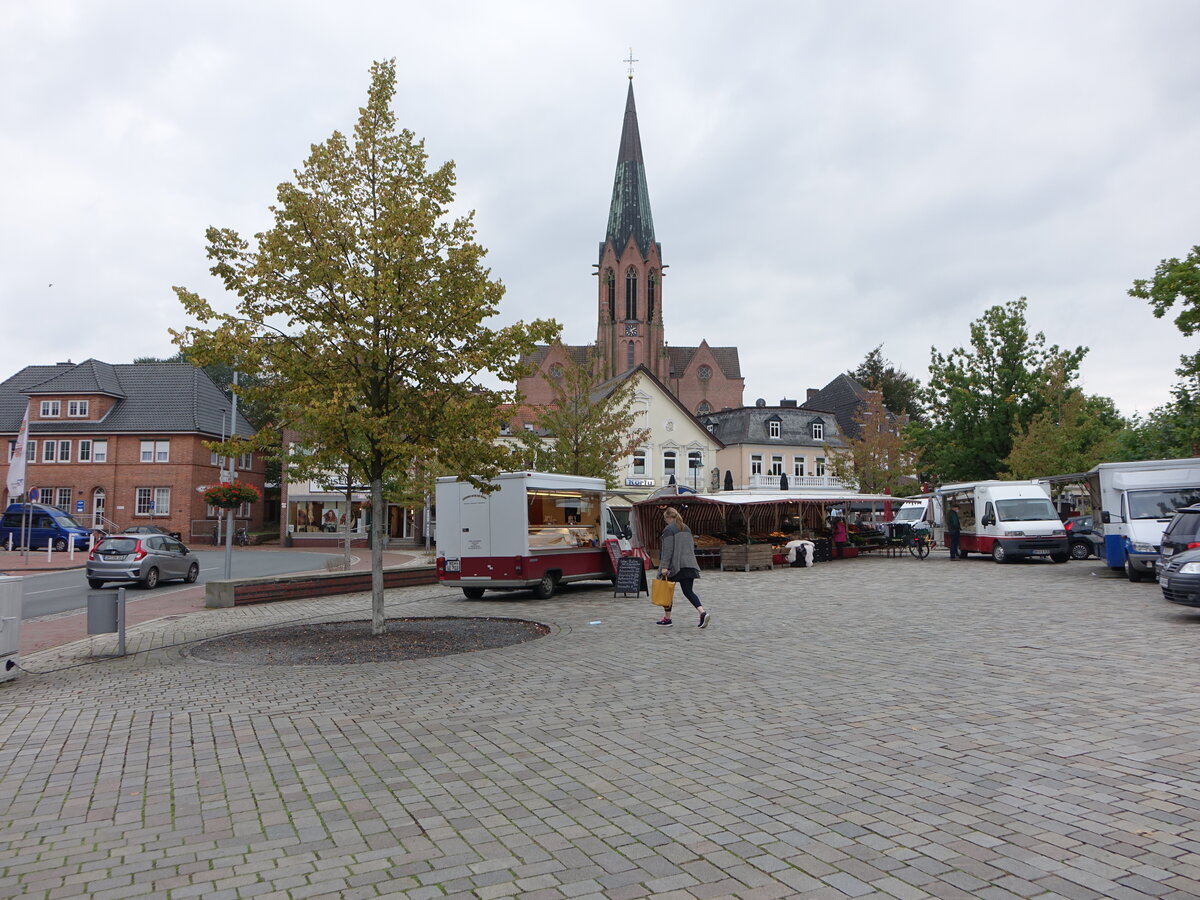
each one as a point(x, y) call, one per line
point(746, 557)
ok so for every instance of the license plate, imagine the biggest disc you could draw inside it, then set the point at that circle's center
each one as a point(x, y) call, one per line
point(1039, 552)
point(1163, 580)
point(452, 565)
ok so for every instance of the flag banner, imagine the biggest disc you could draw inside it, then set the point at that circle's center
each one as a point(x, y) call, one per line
point(16, 463)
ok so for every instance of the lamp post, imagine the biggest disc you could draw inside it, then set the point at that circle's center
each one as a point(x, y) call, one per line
point(232, 478)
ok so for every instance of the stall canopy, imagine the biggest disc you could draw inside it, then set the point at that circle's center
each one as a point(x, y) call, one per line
point(758, 511)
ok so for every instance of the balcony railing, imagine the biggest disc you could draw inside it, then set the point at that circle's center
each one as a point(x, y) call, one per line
point(795, 483)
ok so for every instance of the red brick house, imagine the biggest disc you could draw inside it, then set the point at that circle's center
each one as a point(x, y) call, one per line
point(630, 304)
point(120, 445)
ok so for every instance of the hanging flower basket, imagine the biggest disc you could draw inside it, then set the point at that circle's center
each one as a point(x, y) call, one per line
point(230, 494)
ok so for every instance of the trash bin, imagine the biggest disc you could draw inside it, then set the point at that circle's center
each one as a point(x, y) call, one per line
point(102, 612)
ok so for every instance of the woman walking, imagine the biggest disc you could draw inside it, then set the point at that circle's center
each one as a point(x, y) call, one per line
point(678, 563)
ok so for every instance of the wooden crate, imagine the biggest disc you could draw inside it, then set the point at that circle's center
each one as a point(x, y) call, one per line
point(746, 557)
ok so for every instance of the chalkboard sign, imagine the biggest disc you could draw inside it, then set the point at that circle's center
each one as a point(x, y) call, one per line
point(631, 576)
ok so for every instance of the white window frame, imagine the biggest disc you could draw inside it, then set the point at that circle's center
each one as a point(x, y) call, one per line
point(818, 431)
point(43, 493)
point(64, 494)
point(670, 464)
point(64, 451)
point(245, 462)
point(638, 463)
point(31, 451)
point(144, 496)
point(155, 451)
point(698, 457)
point(756, 464)
point(777, 465)
point(49, 451)
point(51, 409)
point(819, 466)
point(774, 429)
point(798, 463)
point(77, 409)
point(85, 451)
point(100, 451)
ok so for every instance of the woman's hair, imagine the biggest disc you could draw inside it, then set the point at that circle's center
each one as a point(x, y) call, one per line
point(672, 513)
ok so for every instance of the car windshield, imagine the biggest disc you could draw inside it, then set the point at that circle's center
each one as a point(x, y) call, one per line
point(117, 545)
point(910, 513)
point(1160, 504)
point(1027, 509)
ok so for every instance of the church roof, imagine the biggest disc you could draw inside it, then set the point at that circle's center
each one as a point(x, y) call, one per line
point(629, 214)
point(577, 354)
point(726, 357)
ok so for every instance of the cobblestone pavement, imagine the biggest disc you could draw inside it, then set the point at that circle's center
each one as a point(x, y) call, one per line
point(871, 727)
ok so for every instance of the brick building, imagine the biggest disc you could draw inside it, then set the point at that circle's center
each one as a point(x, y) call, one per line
point(120, 445)
point(631, 298)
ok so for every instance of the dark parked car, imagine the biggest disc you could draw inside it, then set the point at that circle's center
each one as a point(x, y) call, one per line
point(1183, 533)
point(1084, 540)
point(1179, 578)
point(148, 558)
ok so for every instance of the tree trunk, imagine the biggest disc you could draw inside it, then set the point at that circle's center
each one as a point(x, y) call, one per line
point(378, 621)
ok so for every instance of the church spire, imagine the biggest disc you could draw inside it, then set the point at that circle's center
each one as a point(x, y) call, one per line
point(629, 215)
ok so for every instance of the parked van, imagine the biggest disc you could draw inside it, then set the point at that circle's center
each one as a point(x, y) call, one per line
point(1134, 503)
point(1007, 520)
point(919, 512)
point(36, 525)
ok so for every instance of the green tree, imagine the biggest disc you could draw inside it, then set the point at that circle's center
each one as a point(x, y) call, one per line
point(878, 459)
point(1174, 281)
point(901, 392)
point(1071, 433)
point(590, 425)
point(977, 397)
point(363, 310)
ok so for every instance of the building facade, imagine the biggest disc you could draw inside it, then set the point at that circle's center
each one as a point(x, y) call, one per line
point(782, 447)
point(630, 304)
point(120, 445)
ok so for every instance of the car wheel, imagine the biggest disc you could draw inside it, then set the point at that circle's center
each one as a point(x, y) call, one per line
point(999, 554)
point(1080, 550)
point(193, 573)
point(151, 580)
point(95, 583)
point(60, 544)
point(544, 589)
point(1133, 574)
point(1060, 557)
point(473, 593)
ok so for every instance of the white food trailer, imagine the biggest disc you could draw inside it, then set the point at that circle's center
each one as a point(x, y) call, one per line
point(531, 530)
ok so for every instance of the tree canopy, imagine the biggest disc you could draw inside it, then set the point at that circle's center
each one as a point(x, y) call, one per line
point(978, 396)
point(901, 392)
point(878, 460)
point(363, 311)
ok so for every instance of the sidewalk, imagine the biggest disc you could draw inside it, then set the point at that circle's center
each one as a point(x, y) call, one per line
point(140, 605)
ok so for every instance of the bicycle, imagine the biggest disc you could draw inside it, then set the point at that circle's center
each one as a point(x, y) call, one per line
point(919, 544)
point(242, 538)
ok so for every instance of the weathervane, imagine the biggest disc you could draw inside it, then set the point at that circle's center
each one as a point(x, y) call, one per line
point(630, 61)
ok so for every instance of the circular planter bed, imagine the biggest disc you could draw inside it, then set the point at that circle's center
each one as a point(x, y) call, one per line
point(350, 643)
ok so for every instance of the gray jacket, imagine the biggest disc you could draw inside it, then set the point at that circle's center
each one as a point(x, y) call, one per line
point(678, 551)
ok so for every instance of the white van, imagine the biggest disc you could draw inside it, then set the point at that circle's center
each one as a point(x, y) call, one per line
point(1133, 503)
point(1007, 520)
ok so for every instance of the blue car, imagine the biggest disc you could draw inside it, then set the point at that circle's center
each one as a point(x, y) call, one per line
point(36, 525)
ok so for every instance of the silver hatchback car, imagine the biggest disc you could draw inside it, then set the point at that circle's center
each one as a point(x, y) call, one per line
point(148, 558)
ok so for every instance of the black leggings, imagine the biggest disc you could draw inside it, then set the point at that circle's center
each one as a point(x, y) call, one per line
point(685, 582)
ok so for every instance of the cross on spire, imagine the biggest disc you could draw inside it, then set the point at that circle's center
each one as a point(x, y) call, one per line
point(630, 63)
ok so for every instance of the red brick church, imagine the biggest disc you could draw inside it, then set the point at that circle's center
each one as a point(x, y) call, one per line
point(630, 304)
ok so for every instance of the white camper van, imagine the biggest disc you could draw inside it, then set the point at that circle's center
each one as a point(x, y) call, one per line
point(533, 530)
point(1007, 520)
point(1133, 502)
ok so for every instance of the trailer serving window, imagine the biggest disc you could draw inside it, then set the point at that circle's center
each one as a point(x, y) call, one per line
point(1160, 504)
point(563, 519)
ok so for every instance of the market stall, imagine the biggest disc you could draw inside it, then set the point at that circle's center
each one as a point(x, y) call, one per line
point(751, 529)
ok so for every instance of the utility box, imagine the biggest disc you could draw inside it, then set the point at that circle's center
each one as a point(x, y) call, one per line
point(102, 612)
point(12, 591)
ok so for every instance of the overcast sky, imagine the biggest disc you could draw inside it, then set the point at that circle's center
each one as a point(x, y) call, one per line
point(825, 176)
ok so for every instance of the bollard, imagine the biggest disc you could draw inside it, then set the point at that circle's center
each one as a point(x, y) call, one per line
point(71, 549)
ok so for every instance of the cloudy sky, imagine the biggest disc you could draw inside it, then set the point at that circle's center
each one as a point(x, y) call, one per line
point(825, 176)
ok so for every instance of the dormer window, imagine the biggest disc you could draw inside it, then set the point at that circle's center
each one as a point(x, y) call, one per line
point(51, 409)
point(774, 428)
point(77, 409)
point(818, 429)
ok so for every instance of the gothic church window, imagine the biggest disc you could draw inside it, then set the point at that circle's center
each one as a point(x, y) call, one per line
point(704, 408)
point(629, 355)
point(631, 293)
point(704, 373)
point(610, 280)
point(651, 282)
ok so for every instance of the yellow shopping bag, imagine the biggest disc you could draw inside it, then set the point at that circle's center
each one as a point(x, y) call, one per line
point(662, 592)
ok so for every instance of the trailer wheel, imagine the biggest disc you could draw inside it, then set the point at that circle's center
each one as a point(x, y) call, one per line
point(473, 593)
point(1132, 573)
point(999, 554)
point(544, 589)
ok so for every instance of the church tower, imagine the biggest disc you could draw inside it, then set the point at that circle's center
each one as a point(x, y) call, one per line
point(629, 329)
